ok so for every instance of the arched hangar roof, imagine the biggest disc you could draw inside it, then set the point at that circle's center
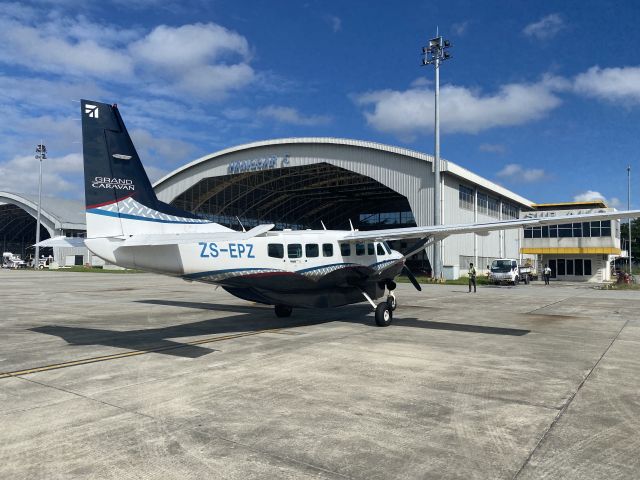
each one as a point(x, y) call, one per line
point(55, 213)
point(400, 169)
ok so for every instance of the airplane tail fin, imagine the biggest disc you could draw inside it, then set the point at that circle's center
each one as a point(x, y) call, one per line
point(119, 198)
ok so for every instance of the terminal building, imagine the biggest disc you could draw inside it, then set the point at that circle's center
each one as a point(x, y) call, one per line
point(301, 183)
point(581, 251)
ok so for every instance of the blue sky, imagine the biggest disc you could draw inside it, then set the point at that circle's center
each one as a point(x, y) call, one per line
point(541, 97)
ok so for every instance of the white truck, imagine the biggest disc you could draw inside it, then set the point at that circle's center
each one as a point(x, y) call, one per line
point(507, 271)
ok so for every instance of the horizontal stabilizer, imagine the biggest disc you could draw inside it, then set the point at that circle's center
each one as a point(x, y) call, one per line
point(62, 242)
point(182, 238)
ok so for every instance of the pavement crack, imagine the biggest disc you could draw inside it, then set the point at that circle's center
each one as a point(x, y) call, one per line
point(567, 403)
point(86, 397)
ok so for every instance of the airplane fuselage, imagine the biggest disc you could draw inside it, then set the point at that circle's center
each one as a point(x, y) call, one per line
point(310, 268)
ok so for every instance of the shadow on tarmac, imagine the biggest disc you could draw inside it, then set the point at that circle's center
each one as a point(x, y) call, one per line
point(255, 318)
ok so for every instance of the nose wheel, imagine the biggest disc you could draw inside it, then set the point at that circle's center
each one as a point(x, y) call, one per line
point(384, 310)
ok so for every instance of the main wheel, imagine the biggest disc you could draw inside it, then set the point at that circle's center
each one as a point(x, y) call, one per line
point(392, 302)
point(384, 315)
point(283, 311)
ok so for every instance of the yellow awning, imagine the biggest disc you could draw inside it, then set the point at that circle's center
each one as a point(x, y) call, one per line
point(572, 251)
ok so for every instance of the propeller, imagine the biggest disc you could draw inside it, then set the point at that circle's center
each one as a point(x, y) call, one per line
point(412, 278)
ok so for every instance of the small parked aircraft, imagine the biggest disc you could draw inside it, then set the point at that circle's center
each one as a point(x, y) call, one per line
point(127, 225)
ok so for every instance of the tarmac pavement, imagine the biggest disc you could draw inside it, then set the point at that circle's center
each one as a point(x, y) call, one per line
point(144, 376)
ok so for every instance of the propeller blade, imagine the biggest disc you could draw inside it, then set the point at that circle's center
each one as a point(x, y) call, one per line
point(412, 278)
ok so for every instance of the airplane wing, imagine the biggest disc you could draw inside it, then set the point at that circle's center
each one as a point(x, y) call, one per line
point(62, 242)
point(438, 232)
point(180, 238)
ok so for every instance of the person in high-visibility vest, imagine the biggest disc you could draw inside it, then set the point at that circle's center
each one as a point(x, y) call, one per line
point(472, 278)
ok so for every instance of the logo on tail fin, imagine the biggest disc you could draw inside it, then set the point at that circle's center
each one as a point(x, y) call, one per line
point(91, 110)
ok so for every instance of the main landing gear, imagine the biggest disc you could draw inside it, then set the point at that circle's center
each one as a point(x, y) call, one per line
point(384, 310)
point(283, 311)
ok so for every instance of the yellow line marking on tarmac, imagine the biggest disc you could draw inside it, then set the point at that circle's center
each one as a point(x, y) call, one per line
point(115, 356)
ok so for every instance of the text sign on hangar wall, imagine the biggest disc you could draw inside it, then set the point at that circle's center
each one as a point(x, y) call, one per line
point(257, 164)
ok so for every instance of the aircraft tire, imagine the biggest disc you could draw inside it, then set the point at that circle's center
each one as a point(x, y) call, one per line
point(384, 315)
point(283, 311)
point(392, 302)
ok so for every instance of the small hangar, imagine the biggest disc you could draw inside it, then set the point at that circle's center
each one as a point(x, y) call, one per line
point(18, 213)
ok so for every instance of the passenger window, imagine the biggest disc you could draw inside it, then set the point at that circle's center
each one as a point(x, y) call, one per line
point(359, 248)
point(327, 250)
point(345, 249)
point(370, 249)
point(379, 249)
point(294, 250)
point(276, 250)
point(311, 250)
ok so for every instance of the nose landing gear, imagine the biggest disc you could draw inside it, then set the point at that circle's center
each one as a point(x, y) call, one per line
point(384, 310)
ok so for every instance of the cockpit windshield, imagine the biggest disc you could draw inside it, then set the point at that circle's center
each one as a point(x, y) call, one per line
point(501, 266)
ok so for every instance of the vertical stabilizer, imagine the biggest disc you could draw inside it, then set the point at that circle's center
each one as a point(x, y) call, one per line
point(119, 198)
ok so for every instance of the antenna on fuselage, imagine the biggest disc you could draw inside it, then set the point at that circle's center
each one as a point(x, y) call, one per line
point(242, 226)
point(351, 225)
point(322, 223)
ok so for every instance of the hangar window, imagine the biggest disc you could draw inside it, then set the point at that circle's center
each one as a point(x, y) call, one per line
point(493, 206)
point(345, 249)
point(465, 195)
point(606, 228)
point(359, 248)
point(509, 211)
point(578, 265)
point(483, 203)
point(327, 250)
point(311, 250)
point(371, 249)
point(294, 250)
point(379, 249)
point(276, 250)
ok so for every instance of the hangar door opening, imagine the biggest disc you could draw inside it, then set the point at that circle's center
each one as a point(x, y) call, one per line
point(18, 232)
point(298, 198)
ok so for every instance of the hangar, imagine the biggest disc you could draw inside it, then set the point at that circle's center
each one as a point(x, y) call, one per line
point(18, 213)
point(307, 182)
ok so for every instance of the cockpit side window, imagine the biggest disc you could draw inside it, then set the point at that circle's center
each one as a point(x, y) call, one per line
point(379, 249)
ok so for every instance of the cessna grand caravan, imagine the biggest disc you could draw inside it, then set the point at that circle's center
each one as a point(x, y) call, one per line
point(127, 225)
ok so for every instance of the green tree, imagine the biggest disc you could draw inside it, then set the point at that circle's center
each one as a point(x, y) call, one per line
point(635, 237)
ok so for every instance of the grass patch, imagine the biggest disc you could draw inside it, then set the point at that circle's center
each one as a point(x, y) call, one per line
point(480, 280)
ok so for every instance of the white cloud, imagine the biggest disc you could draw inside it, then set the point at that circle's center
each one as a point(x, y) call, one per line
point(614, 84)
point(406, 113)
point(188, 46)
point(334, 22)
point(516, 172)
point(492, 148)
point(60, 49)
point(460, 28)
point(545, 28)
point(59, 174)
point(292, 116)
point(592, 195)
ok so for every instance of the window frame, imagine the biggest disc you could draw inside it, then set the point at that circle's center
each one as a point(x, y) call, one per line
point(281, 245)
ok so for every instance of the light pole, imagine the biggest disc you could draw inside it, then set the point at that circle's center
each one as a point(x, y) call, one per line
point(433, 54)
point(41, 154)
point(629, 208)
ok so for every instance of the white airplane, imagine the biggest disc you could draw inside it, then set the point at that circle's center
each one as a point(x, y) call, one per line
point(127, 225)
